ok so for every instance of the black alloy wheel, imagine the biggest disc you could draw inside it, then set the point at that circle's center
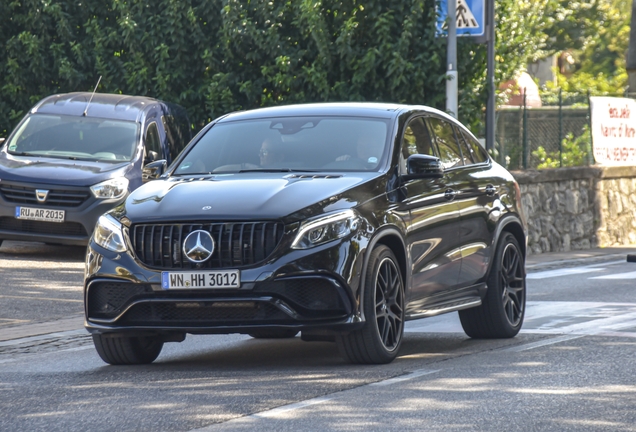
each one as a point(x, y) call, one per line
point(383, 303)
point(502, 310)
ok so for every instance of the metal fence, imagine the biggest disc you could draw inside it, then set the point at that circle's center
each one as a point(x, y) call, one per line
point(554, 135)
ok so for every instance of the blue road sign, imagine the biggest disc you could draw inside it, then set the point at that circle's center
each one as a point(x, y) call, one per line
point(470, 17)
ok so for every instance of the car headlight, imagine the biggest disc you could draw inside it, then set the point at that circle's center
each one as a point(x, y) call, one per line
point(113, 188)
point(108, 234)
point(326, 229)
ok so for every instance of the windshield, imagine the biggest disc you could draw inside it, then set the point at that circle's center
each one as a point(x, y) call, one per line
point(290, 144)
point(72, 137)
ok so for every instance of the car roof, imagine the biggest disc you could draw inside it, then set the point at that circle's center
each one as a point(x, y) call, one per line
point(354, 109)
point(102, 105)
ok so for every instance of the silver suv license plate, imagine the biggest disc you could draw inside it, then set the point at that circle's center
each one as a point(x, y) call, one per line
point(201, 279)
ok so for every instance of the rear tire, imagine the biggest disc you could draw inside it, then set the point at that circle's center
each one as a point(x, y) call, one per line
point(379, 340)
point(127, 350)
point(502, 311)
point(273, 334)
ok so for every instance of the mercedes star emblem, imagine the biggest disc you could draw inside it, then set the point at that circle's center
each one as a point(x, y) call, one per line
point(198, 246)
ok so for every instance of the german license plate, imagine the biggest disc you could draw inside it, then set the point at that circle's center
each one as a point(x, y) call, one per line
point(201, 279)
point(38, 214)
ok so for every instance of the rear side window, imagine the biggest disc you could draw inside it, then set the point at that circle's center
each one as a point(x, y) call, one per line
point(153, 141)
point(449, 151)
point(478, 152)
point(177, 127)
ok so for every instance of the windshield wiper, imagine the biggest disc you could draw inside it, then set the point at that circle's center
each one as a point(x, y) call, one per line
point(266, 170)
point(280, 170)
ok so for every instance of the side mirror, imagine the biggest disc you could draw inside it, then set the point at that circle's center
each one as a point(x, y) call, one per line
point(154, 170)
point(420, 166)
point(151, 156)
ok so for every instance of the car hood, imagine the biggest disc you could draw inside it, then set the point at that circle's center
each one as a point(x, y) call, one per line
point(57, 171)
point(248, 196)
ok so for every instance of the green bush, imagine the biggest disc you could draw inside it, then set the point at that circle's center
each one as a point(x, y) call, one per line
point(575, 152)
point(217, 56)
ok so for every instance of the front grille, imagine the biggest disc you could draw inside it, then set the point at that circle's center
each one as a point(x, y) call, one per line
point(310, 294)
point(55, 198)
point(109, 299)
point(204, 313)
point(238, 244)
point(38, 227)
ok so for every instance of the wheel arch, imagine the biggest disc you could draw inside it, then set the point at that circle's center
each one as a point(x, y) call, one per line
point(391, 238)
point(510, 224)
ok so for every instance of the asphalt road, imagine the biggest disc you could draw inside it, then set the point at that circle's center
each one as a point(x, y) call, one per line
point(571, 368)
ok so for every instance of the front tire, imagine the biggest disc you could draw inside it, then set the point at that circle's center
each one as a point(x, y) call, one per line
point(380, 339)
point(127, 350)
point(502, 311)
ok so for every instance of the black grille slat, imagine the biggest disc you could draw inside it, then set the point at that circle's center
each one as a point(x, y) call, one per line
point(56, 197)
point(238, 244)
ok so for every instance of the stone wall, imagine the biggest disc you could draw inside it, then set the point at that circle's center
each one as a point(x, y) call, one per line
point(579, 208)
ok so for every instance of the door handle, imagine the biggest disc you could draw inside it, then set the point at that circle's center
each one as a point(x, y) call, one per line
point(490, 190)
point(450, 194)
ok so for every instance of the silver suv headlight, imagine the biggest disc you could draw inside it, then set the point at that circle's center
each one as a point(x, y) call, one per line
point(325, 229)
point(113, 188)
point(108, 234)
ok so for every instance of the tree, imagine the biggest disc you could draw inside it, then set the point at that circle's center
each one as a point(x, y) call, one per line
point(216, 56)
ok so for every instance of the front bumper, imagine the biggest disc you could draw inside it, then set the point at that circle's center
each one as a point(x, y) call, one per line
point(304, 290)
point(79, 220)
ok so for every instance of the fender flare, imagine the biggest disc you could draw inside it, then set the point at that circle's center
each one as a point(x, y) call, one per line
point(504, 222)
point(381, 233)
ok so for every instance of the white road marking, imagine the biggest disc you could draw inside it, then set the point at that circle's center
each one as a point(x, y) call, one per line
point(542, 343)
point(285, 411)
point(562, 272)
point(628, 275)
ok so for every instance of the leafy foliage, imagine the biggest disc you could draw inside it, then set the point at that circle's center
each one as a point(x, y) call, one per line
point(217, 56)
point(575, 152)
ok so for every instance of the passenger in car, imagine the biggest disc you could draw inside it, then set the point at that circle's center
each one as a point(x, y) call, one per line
point(368, 150)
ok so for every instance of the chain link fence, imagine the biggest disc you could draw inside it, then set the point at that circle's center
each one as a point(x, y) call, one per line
point(556, 134)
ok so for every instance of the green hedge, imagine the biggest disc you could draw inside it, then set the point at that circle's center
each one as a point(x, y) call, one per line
point(217, 56)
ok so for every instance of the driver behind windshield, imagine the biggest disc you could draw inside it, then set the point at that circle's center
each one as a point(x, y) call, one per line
point(271, 152)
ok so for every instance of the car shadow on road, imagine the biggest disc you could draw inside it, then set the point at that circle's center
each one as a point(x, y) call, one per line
point(14, 250)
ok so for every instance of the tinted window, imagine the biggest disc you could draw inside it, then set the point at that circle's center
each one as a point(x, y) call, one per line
point(290, 143)
point(467, 152)
point(416, 140)
point(478, 152)
point(449, 151)
point(177, 127)
point(153, 142)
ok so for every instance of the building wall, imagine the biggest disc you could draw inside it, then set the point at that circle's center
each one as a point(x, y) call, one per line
point(579, 208)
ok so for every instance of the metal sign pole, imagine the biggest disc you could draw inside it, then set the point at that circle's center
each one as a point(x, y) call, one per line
point(490, 77)
point(451, 60)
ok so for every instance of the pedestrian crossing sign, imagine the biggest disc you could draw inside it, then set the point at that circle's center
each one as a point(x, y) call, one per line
point(469, 17)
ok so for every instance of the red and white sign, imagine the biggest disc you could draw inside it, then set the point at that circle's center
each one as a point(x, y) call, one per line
point(613, 130)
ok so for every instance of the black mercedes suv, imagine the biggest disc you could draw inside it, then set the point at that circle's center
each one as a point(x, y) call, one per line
point(338, 221)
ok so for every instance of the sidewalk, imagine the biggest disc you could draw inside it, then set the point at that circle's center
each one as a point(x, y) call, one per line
point(533, 263)
point(578, 258)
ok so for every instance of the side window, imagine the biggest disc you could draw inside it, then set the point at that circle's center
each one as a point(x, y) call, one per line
point(449, 151)
point(478, 152)
point(467, 152)
point(177, 127)
point(416, 140)
point(152, 141)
